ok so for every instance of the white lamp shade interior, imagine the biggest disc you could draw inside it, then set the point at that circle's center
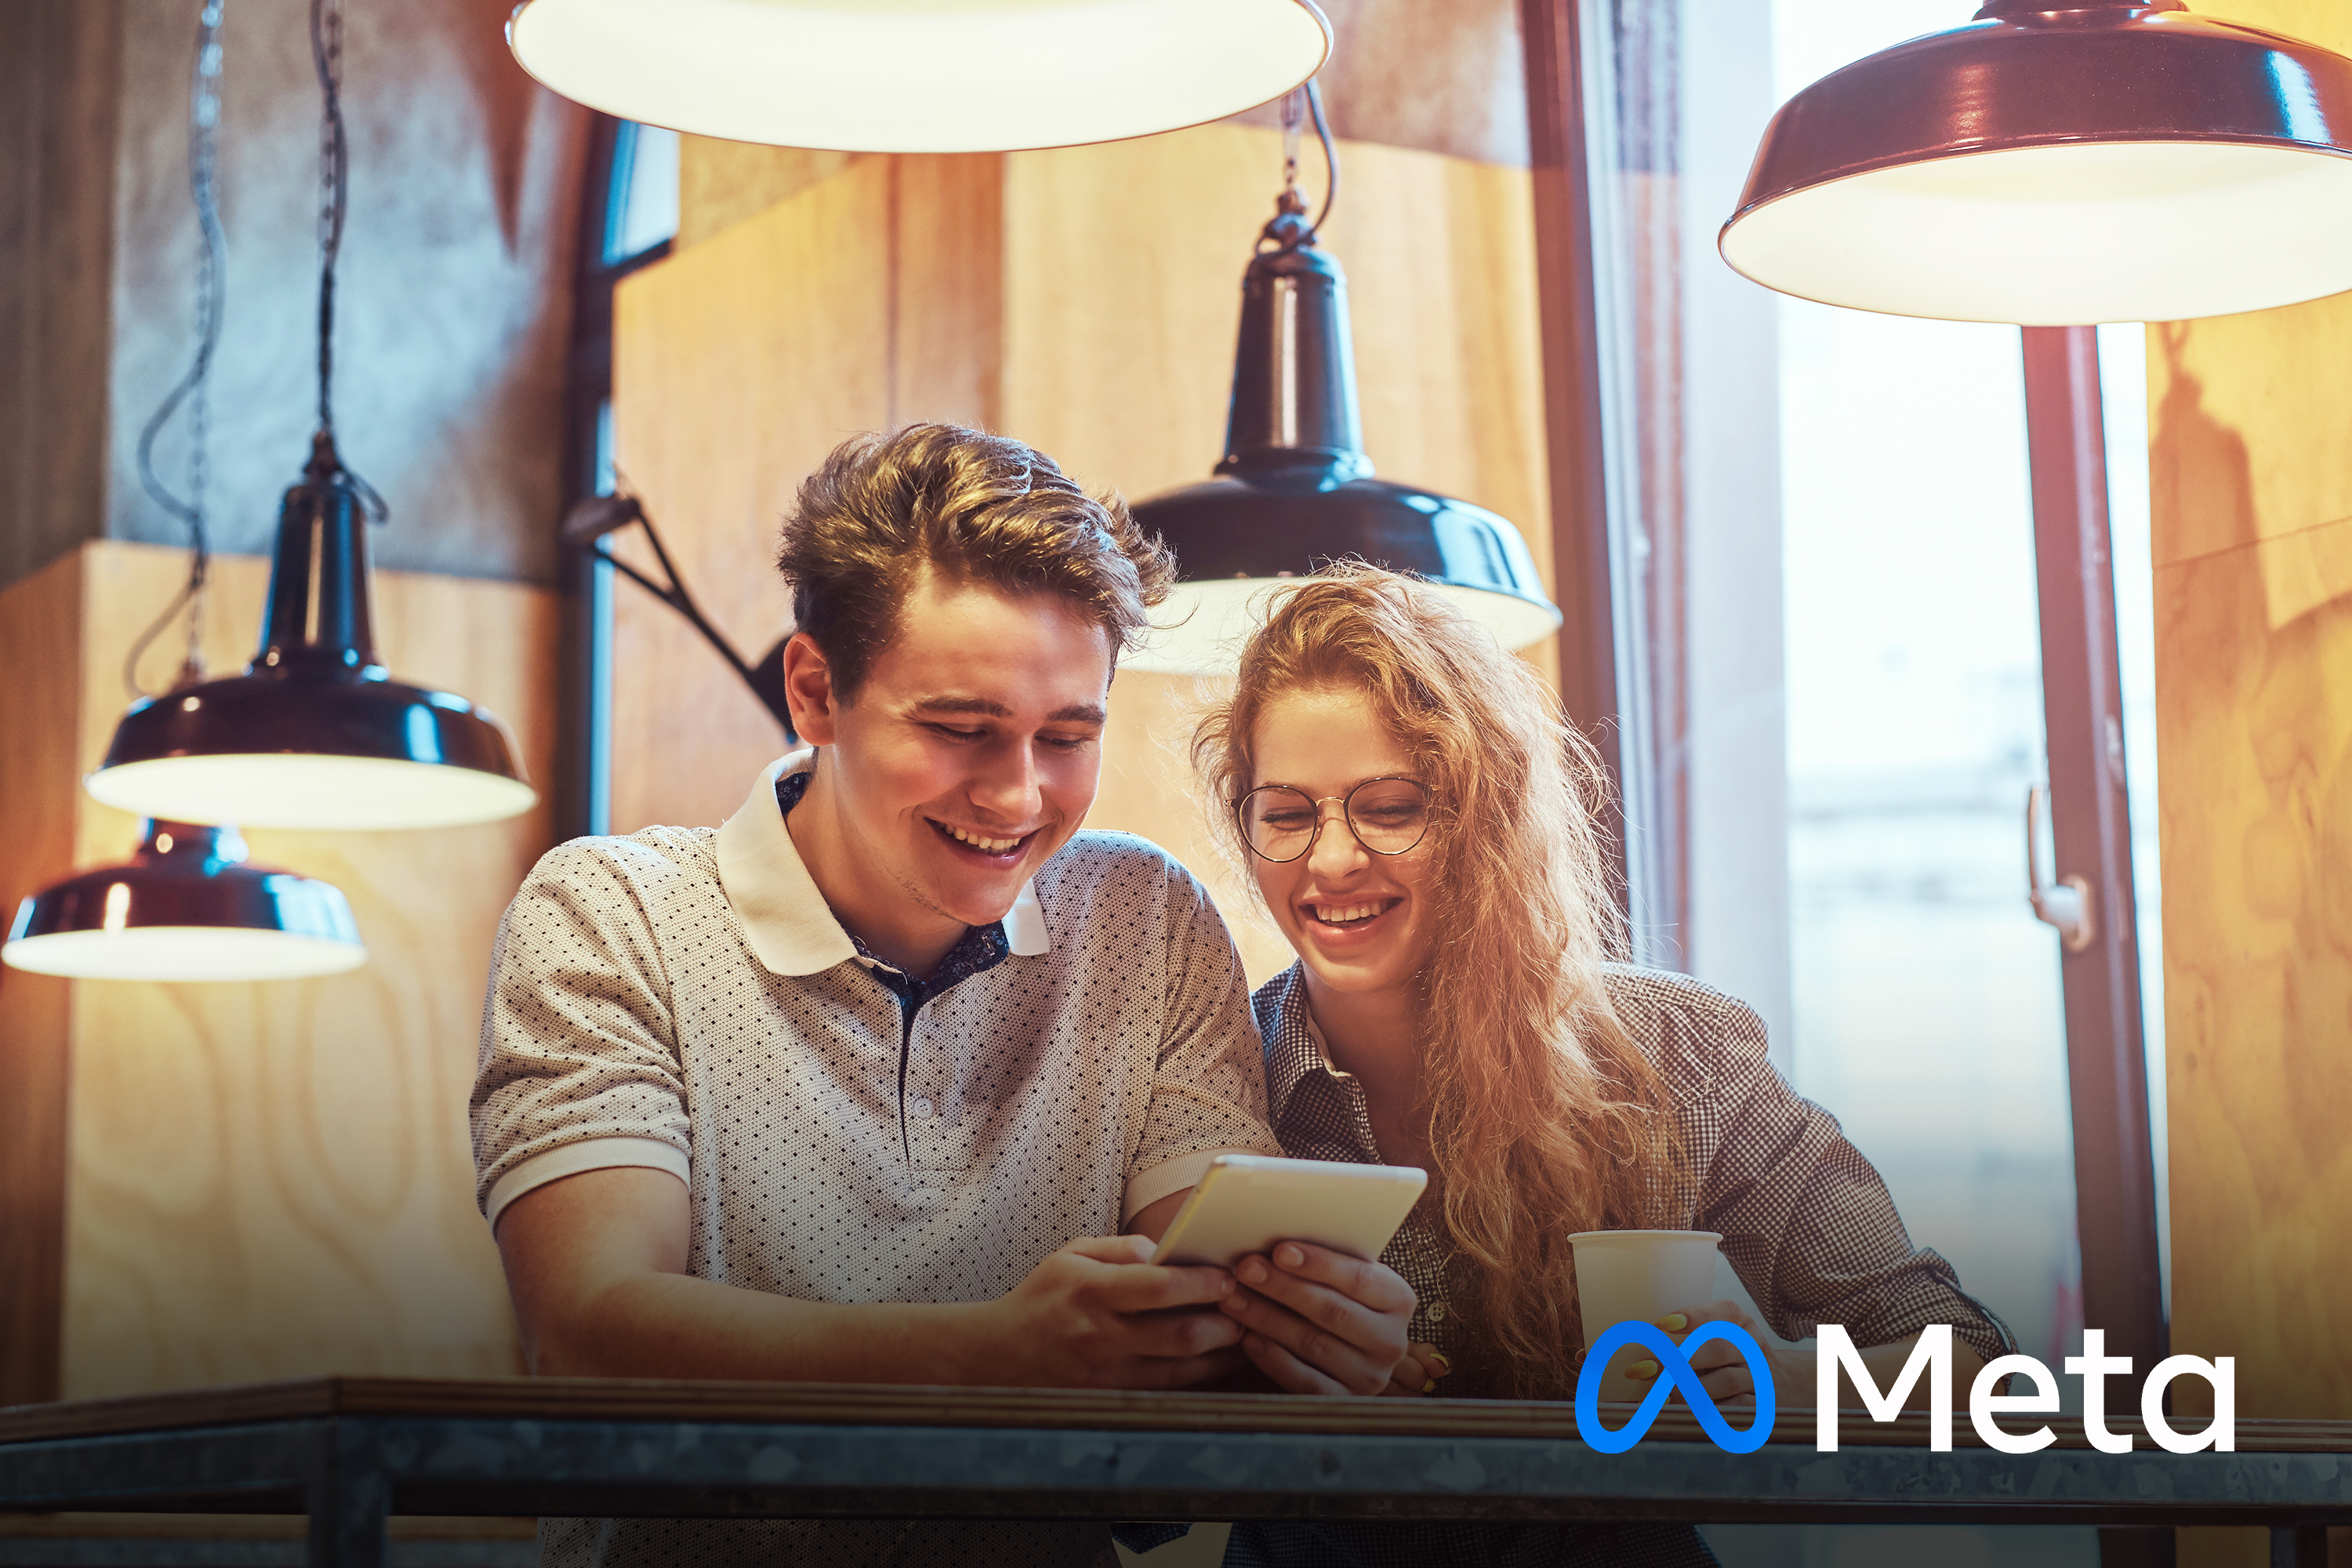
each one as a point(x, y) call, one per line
point(920, 76)
point(2064, 235)
point(1201, 628)
point(182, 953)
point(308, 790)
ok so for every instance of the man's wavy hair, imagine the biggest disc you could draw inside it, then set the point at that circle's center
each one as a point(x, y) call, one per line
point(1545, 1118)
point(883, 509)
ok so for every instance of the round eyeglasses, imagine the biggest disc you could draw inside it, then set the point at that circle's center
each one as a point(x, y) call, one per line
point(1387, 815)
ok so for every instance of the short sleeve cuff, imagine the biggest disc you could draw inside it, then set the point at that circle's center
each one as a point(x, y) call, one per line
point(588, 1154)
point(1148, 1187)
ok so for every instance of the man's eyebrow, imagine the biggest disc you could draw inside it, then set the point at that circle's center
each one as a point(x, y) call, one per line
point(1076, 713)
point(980, 705)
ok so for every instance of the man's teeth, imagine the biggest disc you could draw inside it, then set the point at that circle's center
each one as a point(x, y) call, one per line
point(992, 846)
point(1342, 914)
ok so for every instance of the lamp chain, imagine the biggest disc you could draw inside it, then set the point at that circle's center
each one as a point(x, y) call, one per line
point(194, 388)
point(334, 192)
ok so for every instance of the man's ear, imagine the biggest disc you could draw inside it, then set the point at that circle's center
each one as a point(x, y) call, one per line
point(808, 690)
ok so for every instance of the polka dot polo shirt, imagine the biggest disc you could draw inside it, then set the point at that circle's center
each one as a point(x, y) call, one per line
point(683, 999)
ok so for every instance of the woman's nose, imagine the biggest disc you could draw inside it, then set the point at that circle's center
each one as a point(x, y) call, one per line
point(1334, 849)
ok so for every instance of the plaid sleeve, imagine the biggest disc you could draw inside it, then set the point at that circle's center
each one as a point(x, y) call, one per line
point(1807, 1221)
point(576, 1033)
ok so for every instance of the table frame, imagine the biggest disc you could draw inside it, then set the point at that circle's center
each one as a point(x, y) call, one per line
point(351, 1452)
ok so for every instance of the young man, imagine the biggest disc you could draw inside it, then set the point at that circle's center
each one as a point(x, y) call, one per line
point(826, 1093)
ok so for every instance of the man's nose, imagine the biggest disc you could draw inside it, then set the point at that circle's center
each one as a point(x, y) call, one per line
point(1008, 784)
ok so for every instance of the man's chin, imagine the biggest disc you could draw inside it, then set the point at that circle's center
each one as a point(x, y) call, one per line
point(977, 897)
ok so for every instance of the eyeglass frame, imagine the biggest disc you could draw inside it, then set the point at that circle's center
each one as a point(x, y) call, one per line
point(1240, 823)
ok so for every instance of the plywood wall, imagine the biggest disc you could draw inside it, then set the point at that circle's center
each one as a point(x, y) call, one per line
point(40, 760)
point(1084, 299)
point(267, 1181)
point(2252, 513)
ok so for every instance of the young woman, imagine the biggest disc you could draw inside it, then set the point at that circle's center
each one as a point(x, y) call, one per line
point(1420, 824)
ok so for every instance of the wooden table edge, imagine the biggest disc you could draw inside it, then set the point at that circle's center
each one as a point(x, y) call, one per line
point(878, 1405)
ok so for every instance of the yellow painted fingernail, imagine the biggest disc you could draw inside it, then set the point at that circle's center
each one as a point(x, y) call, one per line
point(1642, 1369)
point(1429, 1385)
point(1441, 1361)
point(1674, 1323)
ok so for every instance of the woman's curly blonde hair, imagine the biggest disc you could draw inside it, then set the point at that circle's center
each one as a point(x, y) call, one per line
point(1545, 1117)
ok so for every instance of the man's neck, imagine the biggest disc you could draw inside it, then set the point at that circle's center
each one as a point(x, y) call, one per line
point(869, 902)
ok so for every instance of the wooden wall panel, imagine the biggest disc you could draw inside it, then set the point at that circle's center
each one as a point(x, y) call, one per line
point(737, 363)
point(722, 183)
point(40, 646)
point(2253, 533)
point(275, 1180)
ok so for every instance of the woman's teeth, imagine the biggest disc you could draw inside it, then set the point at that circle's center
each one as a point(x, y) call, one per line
point(989, 845)
point(1349, 914)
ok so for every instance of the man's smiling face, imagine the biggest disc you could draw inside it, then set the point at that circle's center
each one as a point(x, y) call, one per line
point(969, 756)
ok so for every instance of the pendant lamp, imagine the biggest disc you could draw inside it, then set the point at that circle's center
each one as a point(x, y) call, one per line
point(920, 76)
point(186, 907)
point(316, 733)
point(1295, 490)
point(2060, 163)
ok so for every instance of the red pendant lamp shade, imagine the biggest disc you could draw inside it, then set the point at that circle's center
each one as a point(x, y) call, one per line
point(2102, 162)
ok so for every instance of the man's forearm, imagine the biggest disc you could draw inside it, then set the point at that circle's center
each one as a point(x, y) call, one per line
point(673, 1325)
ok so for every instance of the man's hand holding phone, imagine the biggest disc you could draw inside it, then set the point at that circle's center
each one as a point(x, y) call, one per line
point(1100, 1314)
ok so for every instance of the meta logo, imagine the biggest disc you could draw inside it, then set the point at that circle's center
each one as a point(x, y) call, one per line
point(1931, 1358)
point(1676, 1371)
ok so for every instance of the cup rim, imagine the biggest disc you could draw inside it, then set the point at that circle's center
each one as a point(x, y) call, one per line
point(1621, 1234)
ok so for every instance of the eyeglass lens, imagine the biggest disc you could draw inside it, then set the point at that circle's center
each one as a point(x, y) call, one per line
point(1387, 816)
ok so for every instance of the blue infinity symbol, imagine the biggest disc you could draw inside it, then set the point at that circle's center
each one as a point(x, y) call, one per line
point(1675, 1363)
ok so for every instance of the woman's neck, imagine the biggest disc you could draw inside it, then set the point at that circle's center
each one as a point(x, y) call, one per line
point(1376, 1036)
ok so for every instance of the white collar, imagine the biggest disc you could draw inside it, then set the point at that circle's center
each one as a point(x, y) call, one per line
point(791, 928)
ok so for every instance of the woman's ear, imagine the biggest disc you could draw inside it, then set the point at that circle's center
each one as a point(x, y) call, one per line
point(808, 690)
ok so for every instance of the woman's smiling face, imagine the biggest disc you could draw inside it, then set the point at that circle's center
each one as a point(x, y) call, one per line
point(1361, 921)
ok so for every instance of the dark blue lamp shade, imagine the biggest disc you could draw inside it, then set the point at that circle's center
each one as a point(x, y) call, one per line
point(1295, 490)
point(185, 907)
point(315, 733)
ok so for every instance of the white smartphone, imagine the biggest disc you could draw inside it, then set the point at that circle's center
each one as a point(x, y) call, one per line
point(1246, 1203)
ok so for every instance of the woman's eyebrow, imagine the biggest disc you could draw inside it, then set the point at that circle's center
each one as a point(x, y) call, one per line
point(1368, 778)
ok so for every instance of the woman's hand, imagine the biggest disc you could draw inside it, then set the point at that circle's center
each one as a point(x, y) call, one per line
point(1319, 1322)
point(1416, 1375)
point(1721, 1368)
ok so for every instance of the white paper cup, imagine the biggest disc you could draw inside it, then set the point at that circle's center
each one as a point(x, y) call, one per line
point(1641, 1275)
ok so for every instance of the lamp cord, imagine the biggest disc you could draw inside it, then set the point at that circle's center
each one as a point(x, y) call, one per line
point(334, 192)
point(194, 390)
point(1287, 231)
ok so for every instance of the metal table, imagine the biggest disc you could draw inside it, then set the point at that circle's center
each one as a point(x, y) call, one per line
point(349, 1452)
